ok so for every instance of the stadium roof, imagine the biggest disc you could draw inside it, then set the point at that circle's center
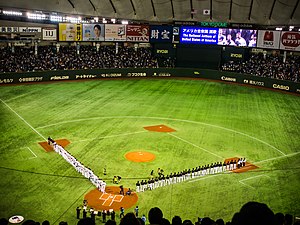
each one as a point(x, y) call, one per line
point(264, 12)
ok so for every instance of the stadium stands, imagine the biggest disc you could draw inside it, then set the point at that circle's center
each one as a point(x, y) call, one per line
point(269, 66)
point(249, 214)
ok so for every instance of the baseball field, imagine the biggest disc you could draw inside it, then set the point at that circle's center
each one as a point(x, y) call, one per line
point(103, 121)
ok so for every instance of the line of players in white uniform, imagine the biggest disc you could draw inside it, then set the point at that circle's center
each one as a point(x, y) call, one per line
point(80, 168)
point(174, 178)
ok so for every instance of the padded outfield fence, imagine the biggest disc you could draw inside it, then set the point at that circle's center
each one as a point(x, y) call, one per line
point(47, 76)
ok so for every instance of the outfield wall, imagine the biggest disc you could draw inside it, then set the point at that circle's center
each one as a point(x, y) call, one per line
point(53, 76)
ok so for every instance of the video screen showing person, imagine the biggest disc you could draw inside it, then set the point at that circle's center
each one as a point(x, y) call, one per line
point(237, 37)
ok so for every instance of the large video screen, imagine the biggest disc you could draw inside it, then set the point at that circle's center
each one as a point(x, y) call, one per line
point(237, 37)
point(199, 35)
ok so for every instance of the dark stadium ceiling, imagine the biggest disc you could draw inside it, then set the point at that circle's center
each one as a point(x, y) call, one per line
point(264, 12)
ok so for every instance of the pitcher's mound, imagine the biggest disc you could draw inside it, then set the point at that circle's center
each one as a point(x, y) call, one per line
point(159, 128)
point(48, 148)
point(140, 156)
point(111, 199)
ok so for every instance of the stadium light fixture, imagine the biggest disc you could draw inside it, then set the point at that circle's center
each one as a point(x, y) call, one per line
point(96, 19)
point(124, 22)
point(12, 13)
point(104, 20)
point(73, 19)
point(56, 18)
point(113, 20)
point(36, 16)
point(278, 28)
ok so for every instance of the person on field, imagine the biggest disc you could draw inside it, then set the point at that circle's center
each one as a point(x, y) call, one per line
point(137, 185)
point(122, 211)
point(78, 212)
point(136, 211)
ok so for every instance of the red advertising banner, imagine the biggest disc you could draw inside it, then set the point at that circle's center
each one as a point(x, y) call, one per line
point(137, 33)
point(290, 41)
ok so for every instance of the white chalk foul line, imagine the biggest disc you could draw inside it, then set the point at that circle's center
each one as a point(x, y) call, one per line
point(204, 178)
point(169, 119)
point(195, 145)
point(250, 178)
point(246, 184)
point(275, 158)
point(110, 136)
point(35, 156)
point(23, 120)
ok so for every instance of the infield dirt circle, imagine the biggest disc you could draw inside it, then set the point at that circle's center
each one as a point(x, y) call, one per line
point(111, 199)
point(140, 156)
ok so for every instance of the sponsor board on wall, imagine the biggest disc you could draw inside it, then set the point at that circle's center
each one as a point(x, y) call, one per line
point(49, 34)
point(161, 33)
point(137, 33)
point(30, 29)
point(9, 29)
point(290, 41)
point(93, 32)
point(70, 32)
point(268, 39)
point(115, 32)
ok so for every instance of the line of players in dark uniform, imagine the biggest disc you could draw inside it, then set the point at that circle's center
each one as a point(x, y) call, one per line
point(173, 178)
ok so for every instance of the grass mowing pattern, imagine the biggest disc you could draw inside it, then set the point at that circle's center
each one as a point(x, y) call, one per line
point(105, 119)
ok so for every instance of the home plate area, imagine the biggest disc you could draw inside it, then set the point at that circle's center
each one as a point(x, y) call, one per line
point(111, 199)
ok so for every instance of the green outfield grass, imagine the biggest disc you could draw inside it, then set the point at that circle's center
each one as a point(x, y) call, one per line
point(104, 120)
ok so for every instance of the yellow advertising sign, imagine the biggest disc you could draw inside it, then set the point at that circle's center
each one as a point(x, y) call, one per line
point(70, 32)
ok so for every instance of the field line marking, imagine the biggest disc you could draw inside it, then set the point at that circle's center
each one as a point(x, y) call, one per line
point(112, 201)
point(23, 120)
point(162, 118)
point(110, 136)
point(101, 196)
point(32, 152)
point(204, 178)
point(106, 199)
point(195, 145)
point(250, 178)
point(275, 158)
point(18, 96)
point(246, 185)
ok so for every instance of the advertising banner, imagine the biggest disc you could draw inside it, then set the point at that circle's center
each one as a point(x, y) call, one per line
point(70, 32)
point(115, 32)
point(93, 32)
point(268, 39)
point(30, 29)
point(290, 41)
point(9, 29)
point(161, 33)
point(49, 34)
point(199, 35)
point(137, 33)
point(237, 37)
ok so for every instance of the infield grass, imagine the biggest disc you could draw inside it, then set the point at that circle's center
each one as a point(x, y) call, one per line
point(104, 120)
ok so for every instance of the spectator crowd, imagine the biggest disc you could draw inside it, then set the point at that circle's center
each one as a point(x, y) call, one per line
point(47, 58)
point(269, 66)
point(251, 213)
